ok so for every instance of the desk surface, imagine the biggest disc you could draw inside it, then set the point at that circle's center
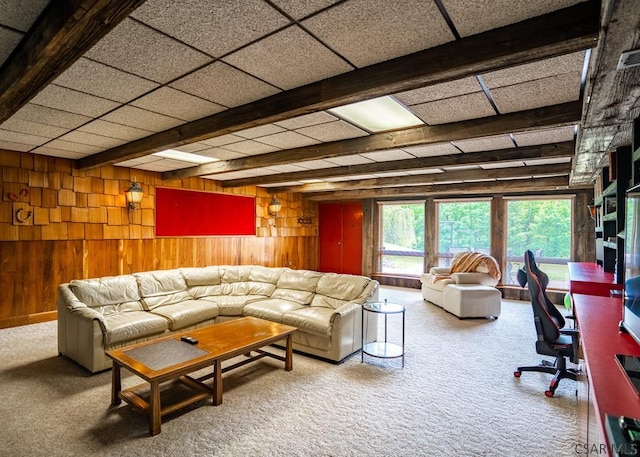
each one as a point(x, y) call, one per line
point(590, 278)
point(598, 318)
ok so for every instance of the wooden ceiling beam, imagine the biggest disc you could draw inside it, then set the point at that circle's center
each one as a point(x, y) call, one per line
point(462, 190)
point(502, 124)
point(561, 32)
point(63, 32)
point(433, 178)
point(545, 151)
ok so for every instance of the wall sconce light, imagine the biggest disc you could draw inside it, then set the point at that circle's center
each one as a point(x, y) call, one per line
point(592, 211)
point(134, 195)
point(274, 206)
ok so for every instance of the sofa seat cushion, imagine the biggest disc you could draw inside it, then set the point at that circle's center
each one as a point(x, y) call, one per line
point(187, 313)
point(311, 319)
point(162, 287)
point(232, 305)
point(123, 327)
point(271, 309)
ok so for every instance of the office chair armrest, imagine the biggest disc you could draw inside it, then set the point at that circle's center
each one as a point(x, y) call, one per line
point(570, 331)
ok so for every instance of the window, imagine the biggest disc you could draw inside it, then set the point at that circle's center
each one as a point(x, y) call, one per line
point(402, 238)
point(544, 227)
point(463, 226)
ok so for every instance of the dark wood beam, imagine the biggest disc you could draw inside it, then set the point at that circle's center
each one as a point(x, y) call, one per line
point(432, 178)
point(557, 33)
point(521, 121)
point(63, 32)
point(544, 151)
point(488, 188)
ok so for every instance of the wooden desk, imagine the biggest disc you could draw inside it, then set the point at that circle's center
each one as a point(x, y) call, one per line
point(589, 278)
point(609, 390)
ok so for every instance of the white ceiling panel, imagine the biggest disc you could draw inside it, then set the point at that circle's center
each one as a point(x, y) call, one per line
point(49, 116)
point(54, 152)
point(510, 164)
point(430, 150)
point(288, 168)
point(20, 14)
point(249, 147)
point(225, 85)
point(462, 108)
point(315, 164)
point(367, 32)
point(142, 119)
point(139, 161)
point(119, 131)
point(230, 175)
point(333, 131)
point(64, 99)
point(164, 165)
point(306, 120)
point(23, 138)
point(440, 91)
point(547, 161)
point(222, 140)
point(221, 154)
point(470, 18)
point(288, 140)
point(274, 60)
point(178, 104)
point(485, 144)
point(544, 136)
point(8, 41)
point(262, 130)
point(71, 146)
point(92, 139)
point(213, 27)
point(193, 147)
point(298, 9)
point(536, 94)
point(138, 49)
point(427, 171)
point(355, 159)
point(12, 146)
point(280, 184)
point(103, 81)
point(388, 155)
point(32, 128)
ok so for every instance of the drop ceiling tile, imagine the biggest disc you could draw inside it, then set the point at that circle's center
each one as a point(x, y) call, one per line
point(287, 168)
point(567, 64)
point(142, 119)
point(64, 99)
point(222, 140)
point(332, 131)
point(367, 32)
point(119, 131)
point(193, 147)
point(225, 85)
point(462, 108)
point(213, 27)
point(229, 175)
point(350, 178)
point(274, 60)
point(538, 93)
point(315, 164)
point(306, 120)
point(265, 171)
point(281, 184)
point(12, 146)
point(178, 104)
point(164, 165)
point(139, 161)
point(19, 14)
point(23, 138)
point(391, 174)
point(425, 171)
point(355, 159)
point(49, 116)
point(546, 136)
point(140, 50)
point(288, 140)
point(388, 155)
point(249, 147)
point(485, 144)
point(102, 81)
point(470, 18)
point(9, 39)
point(262, 130)
point(510, 164)
point(440, 91)
point(462, 167)
point(53, 152)
point(18, 125)
point(70, 146)
point(221, 154)
point(298, 9)
point(92, 139)
point(549, 161)
point(430, 150)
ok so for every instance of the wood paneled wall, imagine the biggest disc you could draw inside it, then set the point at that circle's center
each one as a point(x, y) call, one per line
point(81, 227)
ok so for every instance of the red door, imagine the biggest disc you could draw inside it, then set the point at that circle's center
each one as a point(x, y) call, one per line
point(340, 237)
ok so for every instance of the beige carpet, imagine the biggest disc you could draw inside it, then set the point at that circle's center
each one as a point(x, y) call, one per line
point(455, 396)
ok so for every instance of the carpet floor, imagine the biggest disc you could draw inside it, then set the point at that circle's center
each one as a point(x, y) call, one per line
point(456, 395)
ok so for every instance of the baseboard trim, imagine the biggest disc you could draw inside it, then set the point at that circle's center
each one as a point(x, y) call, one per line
point(28, 319)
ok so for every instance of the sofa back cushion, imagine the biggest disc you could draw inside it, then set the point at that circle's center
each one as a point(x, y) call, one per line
point(298, 286)
point(202, 282)
point(109, 294)
point(162, 287)
point(334, 290)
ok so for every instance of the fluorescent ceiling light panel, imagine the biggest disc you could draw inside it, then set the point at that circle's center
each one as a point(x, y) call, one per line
point(184, 156)
point(378, 114)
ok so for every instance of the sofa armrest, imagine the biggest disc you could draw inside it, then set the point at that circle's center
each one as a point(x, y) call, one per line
point(67, 301)
point(347, 308)
point(474, 278)
point(439, 270)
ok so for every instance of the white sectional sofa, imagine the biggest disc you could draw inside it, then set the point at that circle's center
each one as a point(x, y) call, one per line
point(96, 315)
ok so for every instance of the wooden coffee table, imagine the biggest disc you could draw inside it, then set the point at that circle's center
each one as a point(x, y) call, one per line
point(170, 359)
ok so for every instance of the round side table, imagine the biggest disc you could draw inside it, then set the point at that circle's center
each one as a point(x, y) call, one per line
point(382, 349)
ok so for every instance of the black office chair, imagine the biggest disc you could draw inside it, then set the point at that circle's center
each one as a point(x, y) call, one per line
point(553, 339)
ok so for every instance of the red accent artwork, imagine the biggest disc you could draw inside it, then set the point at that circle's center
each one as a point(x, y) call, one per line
point(182, 212)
